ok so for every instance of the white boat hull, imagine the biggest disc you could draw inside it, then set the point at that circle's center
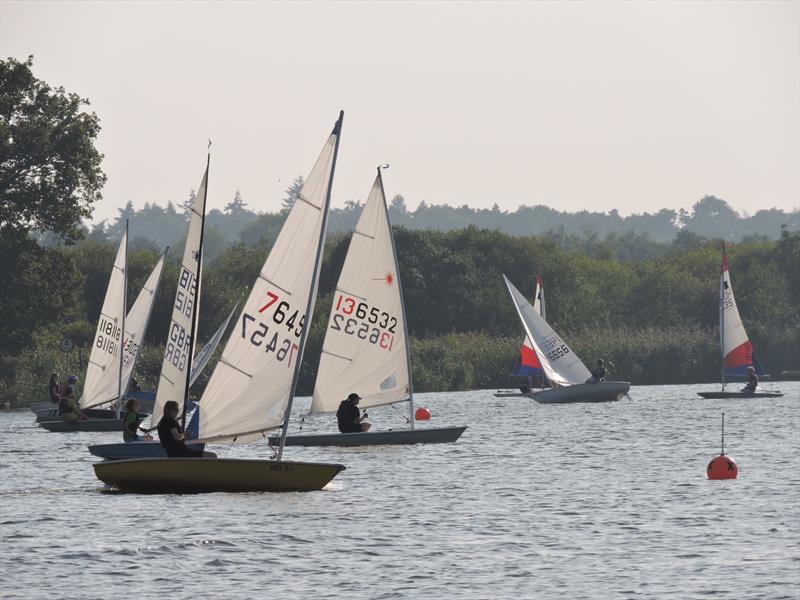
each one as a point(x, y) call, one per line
point(607, 391)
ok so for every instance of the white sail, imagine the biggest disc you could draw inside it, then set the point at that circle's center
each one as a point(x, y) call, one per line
point(135, 327)
point(178, 354)
point(201, 358)
point(561, 365)
point(104, 360)
point(365, 345)
point(251, 386)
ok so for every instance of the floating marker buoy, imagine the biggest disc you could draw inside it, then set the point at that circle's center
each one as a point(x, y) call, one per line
point(722, 467)
point(422, 414)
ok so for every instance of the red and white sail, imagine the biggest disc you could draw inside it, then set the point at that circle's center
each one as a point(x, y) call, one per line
point(528, 363)
point(737, 351)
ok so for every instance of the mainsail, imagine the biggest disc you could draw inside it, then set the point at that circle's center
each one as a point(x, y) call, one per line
point(528, 363)
point(560, 364)
point(737, 351)
point(201, 358)
point(253, 383)
point(365, 347)
point(178, 352)
point(135, 327)
point(104, 360)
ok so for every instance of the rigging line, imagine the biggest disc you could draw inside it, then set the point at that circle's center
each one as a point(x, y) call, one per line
point(395, 409)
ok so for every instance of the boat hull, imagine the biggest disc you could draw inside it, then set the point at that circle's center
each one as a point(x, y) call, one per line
point(430, 435)
point(51, 414)
point(607, 391)
point(205, 475)
point(725, 395)
point(516, 393)
point(58, 426)
point(125, 450)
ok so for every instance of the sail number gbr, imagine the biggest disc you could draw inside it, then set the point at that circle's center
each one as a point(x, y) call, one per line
point(357, 318)
point(554, 348)
point(274, 340)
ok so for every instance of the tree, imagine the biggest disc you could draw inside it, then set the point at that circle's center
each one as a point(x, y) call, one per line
point(237, 205)
point(292, 193)
point(187, 204)
point(50, 173)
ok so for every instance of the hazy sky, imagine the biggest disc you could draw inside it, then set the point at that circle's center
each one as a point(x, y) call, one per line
point(634, 106)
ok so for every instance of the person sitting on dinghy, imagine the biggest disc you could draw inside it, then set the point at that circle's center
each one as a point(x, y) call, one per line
point(68, 408)
point(130, 431)
point(752, 380)
point(350, 420)
point(54, 388)
point(172, 437)
point(599, 373)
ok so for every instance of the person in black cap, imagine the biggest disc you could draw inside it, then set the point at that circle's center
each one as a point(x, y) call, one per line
point(350, 420)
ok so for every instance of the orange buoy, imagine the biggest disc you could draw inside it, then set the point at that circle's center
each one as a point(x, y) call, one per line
point(422, 414)
point(722, 467)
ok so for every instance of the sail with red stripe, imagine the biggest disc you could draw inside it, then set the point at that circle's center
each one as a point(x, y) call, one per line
point(737, 351)
point(527, 362)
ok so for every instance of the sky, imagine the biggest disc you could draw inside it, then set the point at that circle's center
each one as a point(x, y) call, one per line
point(634, 106)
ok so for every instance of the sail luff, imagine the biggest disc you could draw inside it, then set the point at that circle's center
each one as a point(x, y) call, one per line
point(124, 313)
point(722, 311)
point(312, 294)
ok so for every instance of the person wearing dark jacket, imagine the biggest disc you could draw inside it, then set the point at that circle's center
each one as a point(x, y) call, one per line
point(752, 380)
point(349, 418)
point(599, 373)
point(172, 437)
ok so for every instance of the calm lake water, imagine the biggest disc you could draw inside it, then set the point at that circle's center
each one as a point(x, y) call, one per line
point(572, 501)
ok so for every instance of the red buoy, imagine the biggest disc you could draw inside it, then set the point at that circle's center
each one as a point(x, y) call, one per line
point(422, 414)
point(722, 467)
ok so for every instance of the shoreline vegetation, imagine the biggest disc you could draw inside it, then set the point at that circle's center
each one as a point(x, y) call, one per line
point(655, 319)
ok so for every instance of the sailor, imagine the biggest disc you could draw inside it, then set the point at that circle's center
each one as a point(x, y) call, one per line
point(68, 408)
point(599, 373)
point(752, 380)
point(350, 421)
point(130, 430)
point(54, 388)
point(172, 437)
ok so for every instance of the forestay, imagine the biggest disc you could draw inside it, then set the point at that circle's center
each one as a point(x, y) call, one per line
point(737, 351)
point(365, 345)
point(104, 360)
point(135, 327)
point(561, 365)
point(249, 391)
point(178, 352)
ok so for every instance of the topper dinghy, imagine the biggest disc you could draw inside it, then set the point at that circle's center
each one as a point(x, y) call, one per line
point(568, 375)
point(253, 384)
point(737, 351)
point(366, 343)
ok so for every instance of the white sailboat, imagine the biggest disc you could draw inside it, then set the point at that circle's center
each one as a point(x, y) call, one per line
point(737, 351)
point(568, 375)
point(252, 387)
point(176, 375)
point(366, 348)
point(110, 370)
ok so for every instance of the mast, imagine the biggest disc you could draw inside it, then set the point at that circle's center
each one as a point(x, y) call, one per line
point(337, 129)
point(402, 306)
point(722, 314)
point(122, 332)
point(196, 297)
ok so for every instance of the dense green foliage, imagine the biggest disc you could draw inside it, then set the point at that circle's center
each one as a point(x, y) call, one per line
point(655, 319)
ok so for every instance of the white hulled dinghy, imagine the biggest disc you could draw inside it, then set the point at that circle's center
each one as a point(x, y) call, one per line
point(737, 351)
point(172, 382)
point(366, 348)
point(528, 365)
point(561, 365)
point(252, 388)
point(109, 371)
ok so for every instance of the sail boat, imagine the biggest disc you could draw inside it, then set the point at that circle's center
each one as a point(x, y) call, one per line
point(561, 365)
point(528, 364)
point(737, 351)
point(366, 346)
point(109, 370)
point(172, 383)
point(252, 388)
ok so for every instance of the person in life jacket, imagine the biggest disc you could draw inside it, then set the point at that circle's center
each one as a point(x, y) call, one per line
point(752, 380)
point(599, 373)
point(349, 418)
point(68, 408)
